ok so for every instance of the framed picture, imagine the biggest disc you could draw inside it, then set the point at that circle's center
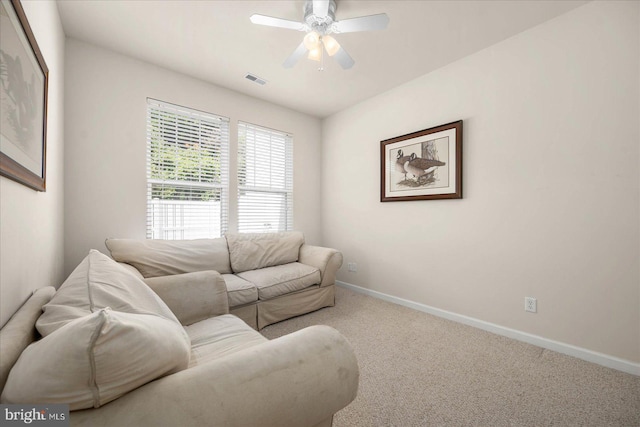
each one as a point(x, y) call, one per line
point(23, 99)
point(423, 165)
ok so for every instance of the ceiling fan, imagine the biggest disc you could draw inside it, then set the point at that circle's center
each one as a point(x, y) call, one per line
point(319, 22)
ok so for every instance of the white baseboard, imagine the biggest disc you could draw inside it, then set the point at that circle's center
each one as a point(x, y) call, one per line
point(568, 349)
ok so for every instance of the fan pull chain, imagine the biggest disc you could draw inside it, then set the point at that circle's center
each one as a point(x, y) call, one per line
point(321, 43)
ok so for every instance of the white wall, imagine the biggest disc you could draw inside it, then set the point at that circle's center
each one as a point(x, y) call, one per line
point(551, 185)
point(105, 180)
point(31, 223)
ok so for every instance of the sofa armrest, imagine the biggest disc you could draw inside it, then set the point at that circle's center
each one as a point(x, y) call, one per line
point(300, 379)
point(192, 296)
point(327, 260)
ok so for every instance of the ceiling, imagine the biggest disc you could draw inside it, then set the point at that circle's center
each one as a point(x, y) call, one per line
point(215, 41)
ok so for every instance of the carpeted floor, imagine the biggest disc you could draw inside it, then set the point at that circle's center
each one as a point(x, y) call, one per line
point(420, 370)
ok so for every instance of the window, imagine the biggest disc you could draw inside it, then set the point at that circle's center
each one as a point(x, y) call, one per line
point(265, 180)
point(187, 172)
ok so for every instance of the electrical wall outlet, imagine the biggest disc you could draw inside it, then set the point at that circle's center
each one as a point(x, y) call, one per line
point(352, 267)
point(530, 304)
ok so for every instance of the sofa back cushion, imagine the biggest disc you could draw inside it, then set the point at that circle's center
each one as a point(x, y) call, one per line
point(155, 258)
point(250, 251)
point(100, 282)
point(96, 359)
point(20, 330)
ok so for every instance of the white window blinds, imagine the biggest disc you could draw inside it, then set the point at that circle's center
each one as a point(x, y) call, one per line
point(187, 172)
point(265, 180)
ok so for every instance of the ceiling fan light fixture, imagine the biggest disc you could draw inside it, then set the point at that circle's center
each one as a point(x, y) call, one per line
point(319, 20)
point(312, 40)
point(331, 45)
point(315, 54)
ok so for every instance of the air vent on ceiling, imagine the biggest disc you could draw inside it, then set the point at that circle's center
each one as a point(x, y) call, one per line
point(255, 79)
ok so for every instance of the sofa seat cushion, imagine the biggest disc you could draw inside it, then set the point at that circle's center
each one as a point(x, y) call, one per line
point(96, 359)
point(155, 258)
point(239, 291)
point(99, 282)
point(250, 251)
point(220, 336)
point(279, 280)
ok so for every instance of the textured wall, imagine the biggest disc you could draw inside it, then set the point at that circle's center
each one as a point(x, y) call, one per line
point(551, 185)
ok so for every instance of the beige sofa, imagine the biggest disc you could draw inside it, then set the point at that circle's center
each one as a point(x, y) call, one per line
point(270, 277)
point(122, 355)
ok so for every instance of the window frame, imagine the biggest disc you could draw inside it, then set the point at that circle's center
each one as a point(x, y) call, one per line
point(215, 129)
point(286, 189)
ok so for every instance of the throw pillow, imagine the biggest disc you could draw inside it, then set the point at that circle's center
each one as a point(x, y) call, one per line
point(99, 282)
point(96, 359)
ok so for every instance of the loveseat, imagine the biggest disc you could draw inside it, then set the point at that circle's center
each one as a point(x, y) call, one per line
point(121, 354)
point(269, 277)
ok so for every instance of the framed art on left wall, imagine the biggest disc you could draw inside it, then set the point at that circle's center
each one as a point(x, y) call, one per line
point(23, 100)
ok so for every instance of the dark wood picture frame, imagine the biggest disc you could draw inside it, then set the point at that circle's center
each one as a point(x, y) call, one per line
point(423, 165)
point(24, 89)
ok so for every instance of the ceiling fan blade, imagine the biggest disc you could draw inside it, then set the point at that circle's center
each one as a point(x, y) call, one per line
point(363, 23)
point(321, 8)
point(277, 22)
point(344, 59)
point(295, 56)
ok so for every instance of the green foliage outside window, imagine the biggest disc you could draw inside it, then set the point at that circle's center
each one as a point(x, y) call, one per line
point(182, 160)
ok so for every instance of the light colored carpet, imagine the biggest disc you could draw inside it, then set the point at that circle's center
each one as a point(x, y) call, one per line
point(420, 370)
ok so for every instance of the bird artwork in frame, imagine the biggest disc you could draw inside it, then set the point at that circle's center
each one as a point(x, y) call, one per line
point(23, 100)
point(422, 165)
